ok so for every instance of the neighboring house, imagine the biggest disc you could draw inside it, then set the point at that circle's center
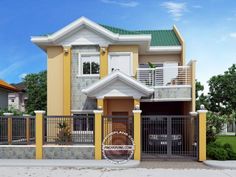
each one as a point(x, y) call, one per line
point(92, 66)
point(5, 89)
point(17, 100)
point(229, 128)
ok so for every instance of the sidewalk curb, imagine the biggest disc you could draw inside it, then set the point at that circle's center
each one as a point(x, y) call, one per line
point(66, 163)
point(228, 164)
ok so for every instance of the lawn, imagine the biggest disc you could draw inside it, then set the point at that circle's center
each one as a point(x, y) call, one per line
point(227, 139)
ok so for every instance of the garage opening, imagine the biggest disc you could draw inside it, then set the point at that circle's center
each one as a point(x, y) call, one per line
point(167, 133)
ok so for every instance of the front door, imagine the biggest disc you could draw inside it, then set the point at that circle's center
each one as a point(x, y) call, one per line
point(119, 124)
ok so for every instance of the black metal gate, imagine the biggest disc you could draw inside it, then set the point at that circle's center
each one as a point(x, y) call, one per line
point(122, 127)
point(169, 137)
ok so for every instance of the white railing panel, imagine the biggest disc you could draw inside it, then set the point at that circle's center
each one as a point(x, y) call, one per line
point(165, 76)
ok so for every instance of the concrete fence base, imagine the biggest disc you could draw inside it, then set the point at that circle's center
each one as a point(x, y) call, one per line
point(17, 152)
point(49, 152)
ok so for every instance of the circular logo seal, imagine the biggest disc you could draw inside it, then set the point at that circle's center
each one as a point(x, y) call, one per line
point(118, 147)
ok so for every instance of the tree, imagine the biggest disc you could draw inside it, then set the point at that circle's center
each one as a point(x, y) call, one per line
point(222, 92)
point(36, 87)
point(201, 98)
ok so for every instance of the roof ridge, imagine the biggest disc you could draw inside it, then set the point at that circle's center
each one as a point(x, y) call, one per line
point(139, 30)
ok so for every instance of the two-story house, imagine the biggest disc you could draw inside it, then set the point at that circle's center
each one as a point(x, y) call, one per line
point(17, 100)
point(92, 66)
point(5, 89)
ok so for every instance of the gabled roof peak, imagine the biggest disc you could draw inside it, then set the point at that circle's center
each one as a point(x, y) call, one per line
point(113, 77)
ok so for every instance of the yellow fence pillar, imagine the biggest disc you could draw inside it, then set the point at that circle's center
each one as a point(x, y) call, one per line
point(202, 135)
point(193, 83)
point(39, 134)
point(98, 134)
point(137, 134)
point(103, 62)
point(9, 126)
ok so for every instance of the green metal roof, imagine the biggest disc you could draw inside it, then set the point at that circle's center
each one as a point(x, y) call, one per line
point(159, 37)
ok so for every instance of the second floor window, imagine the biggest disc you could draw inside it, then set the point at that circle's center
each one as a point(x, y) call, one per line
point(89, 64)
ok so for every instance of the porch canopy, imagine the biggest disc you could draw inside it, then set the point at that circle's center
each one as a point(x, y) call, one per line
point(118, 84)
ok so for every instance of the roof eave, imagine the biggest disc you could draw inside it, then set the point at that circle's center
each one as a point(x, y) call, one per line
point(139, 86)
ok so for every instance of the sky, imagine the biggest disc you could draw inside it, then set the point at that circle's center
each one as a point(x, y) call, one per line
point(208, 27)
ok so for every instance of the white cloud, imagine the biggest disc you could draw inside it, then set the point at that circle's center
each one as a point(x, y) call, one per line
point(10, 69)
point(22, 76)
point(176, 10)
point(233, 35)
point(127, 3)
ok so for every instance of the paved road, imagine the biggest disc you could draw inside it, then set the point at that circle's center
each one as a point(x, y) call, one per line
point(131, 172)
point(173, 165)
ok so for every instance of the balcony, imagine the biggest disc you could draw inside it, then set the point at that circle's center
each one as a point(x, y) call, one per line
point(169, 83)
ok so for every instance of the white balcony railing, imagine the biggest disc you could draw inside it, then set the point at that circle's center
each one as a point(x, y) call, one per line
point(165, 76)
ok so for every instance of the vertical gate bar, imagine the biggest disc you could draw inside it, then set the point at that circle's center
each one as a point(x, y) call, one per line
point(169, 120)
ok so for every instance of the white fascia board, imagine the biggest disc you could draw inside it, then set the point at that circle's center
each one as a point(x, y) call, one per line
point(165, 49)
point(143, 37)
point(84, 21)
point(123, 77)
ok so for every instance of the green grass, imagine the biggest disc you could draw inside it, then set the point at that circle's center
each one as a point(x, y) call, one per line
point(227, 139)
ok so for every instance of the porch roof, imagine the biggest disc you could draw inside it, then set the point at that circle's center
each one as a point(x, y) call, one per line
point(118, 84)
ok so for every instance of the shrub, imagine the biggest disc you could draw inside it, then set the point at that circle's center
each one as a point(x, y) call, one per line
point(217, 151)
point(64, 136)
point(215, 123)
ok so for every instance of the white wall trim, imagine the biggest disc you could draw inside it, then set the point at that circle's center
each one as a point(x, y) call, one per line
point(173, 86)
point(137, 111)
point(39, 112)
point(165, 99)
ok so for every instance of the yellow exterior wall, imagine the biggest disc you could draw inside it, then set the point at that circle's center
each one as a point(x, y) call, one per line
point(100, 103)
point(120, 105)
point(127, 48)
point(136, 102)
point(55, 81)
point(144, 59)
point(103, 62)
point(182, 42)
point(67, 82)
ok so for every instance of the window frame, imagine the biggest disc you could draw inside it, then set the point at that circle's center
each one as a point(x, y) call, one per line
point(80, 63)
point(110, 54)
point(86, 117)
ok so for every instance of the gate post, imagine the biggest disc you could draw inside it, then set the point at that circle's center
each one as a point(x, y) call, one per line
point(98, 134)
point(39, 134)
point(137, 134)
point(9, 125)
point(202, 135)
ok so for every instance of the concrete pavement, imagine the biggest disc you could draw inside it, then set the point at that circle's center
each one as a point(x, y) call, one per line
point(85, 168)
point(66, 163)
point(106, 172)
point(228, 164)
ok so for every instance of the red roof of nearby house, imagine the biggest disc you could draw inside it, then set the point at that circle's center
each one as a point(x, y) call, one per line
point(7, 86)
